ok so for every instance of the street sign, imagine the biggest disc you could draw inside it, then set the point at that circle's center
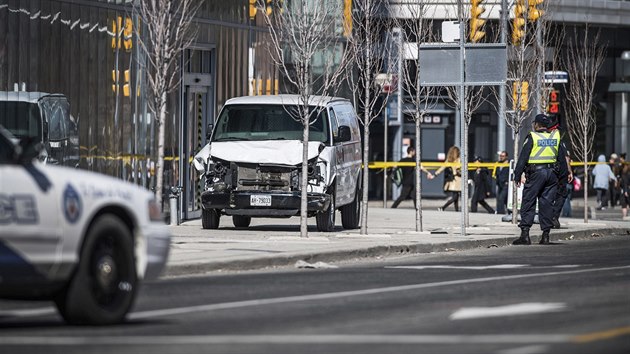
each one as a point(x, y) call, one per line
point(556, 77)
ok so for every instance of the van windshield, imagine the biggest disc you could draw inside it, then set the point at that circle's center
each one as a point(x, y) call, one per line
point(268, 122)
point(21, 119)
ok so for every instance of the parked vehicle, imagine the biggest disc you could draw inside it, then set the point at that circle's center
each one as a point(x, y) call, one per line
point(46, 118)
point(252, 165)
point(81, 239)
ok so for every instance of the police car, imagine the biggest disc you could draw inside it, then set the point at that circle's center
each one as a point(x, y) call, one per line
point(81, 239)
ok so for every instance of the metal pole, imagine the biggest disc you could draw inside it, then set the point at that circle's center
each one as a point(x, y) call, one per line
point(462, 117)
point(502, 89)
point(385, 124)
point(541, 66)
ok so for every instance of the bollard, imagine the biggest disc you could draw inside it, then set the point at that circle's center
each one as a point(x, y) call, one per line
point(173, 200)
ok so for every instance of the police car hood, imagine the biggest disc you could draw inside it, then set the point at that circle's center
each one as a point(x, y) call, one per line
point(283, 152)
point(93, 184)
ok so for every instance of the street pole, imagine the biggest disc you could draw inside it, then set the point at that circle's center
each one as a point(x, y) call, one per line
point(385, 124)
point(502, 89)
point(461, 119)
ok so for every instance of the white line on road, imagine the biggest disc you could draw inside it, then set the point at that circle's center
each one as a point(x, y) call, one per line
point(341, 294)
point(530, 349)
point(508, 310)
point(496, 266)
point(285, 339)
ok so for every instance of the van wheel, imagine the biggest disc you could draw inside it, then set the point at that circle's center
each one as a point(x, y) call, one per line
point(326, 219)
point(241, 220)
point(351, 213)
point(210, 218)
point(103, 287)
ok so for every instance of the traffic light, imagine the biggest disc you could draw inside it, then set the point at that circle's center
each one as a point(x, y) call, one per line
point(520, 95)
point(128, 34)
point(269, 7)
point(252, 9)
point(347, 17)
point(518, 24)
point(124, 39)
point(534, 13)
point(126, 86)
point(476, 23)
point(554, 102)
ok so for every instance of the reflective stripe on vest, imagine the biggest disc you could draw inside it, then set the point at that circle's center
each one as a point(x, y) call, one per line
point(545, 147)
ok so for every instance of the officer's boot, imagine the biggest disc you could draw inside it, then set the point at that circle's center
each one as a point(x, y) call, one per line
point(544, 240)
point(524, 239)
point(556, 223)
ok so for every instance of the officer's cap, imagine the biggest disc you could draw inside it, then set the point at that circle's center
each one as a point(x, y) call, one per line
point(542, 119)
point(552, 121)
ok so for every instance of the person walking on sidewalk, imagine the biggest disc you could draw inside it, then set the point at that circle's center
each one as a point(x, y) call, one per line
point(503, 179)
point(409, 178)
point(603, 175)
point(542, 158)
point(564, 179)
point(452, 178)
point(482, 188)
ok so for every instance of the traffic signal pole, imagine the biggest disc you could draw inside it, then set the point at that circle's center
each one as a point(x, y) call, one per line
point(502, 90)
point(461, 118)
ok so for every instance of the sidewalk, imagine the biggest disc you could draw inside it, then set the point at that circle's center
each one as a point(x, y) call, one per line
point(277, 242)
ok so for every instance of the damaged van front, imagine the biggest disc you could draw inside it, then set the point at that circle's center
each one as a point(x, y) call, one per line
point(253, 164)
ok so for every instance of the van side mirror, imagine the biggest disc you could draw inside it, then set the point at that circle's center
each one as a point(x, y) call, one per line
point(27, 150)
point(343, 134)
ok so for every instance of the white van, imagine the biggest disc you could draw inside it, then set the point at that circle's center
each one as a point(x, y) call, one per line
point(252, 165)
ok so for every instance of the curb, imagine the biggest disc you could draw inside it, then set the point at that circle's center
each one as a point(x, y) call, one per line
point(248, 264)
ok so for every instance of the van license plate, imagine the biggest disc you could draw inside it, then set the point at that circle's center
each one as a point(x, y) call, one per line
point(260, 200)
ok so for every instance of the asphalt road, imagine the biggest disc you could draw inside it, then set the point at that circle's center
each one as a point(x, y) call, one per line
point(571, 297)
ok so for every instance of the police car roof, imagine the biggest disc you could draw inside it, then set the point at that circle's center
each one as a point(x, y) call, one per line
point(283, 100)
point(23, 96)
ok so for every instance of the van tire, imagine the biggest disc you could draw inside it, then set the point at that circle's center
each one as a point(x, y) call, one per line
point(326, 219)
point(210, 218)
point(104, 284)
point(241, 220)
point(351, 213)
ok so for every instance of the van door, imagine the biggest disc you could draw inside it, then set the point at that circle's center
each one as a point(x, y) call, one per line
point(343, 151)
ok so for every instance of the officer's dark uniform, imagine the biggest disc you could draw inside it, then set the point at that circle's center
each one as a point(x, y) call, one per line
point(563, 178)
point(542, 158)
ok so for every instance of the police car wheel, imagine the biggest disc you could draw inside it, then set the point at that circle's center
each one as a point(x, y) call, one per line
point(326, 219)
point(103, 287)
point(351, 213)
point(241, 220)
point(209, 218)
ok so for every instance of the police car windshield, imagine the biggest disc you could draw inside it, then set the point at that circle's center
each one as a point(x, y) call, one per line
point(268, 122)
point(21, 119)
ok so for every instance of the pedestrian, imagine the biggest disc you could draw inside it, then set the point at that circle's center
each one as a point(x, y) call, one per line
point(409, 178)
point(564, 179)
point(625, 190)
point(503, 179)
point(614, 188)
point(575, 185)
point(482, 183)
point(541, 159)
point(603, 175)
point(452, 178)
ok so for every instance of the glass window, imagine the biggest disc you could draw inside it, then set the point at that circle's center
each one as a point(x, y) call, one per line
point(21, 119)
point(57, 114)
point(334, 126)
point(268, 122)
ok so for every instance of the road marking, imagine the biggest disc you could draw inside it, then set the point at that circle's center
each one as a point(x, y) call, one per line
point(352, 293)
point(497, 266)
point(597, 336)
point(42, 311)
point(508, 310)
point(530, 349)
point(285, 339)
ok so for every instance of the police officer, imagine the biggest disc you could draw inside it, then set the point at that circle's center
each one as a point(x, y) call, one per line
point(542, 159)
point(563, 178)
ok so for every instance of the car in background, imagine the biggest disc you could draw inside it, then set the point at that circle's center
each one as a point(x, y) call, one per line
point(81, 239)
point(45, 117)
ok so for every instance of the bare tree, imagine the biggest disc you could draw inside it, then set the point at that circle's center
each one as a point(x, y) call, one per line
point(418, 25)
point(583, 60)
point(299, 32)
point(369, 55)
point(168, 27)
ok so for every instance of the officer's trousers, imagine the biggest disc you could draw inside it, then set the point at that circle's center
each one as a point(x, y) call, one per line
point(541, 186)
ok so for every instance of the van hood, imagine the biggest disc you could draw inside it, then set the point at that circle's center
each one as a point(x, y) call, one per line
point(283, 152)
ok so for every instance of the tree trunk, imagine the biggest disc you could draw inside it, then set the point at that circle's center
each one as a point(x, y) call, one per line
point(366, 154)
point(304, 180)
point(418, 177)
point(516, 178)
point(585, 184)
point(159, 178)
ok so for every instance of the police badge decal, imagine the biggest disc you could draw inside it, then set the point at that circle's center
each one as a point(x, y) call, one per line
point(71, 204)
